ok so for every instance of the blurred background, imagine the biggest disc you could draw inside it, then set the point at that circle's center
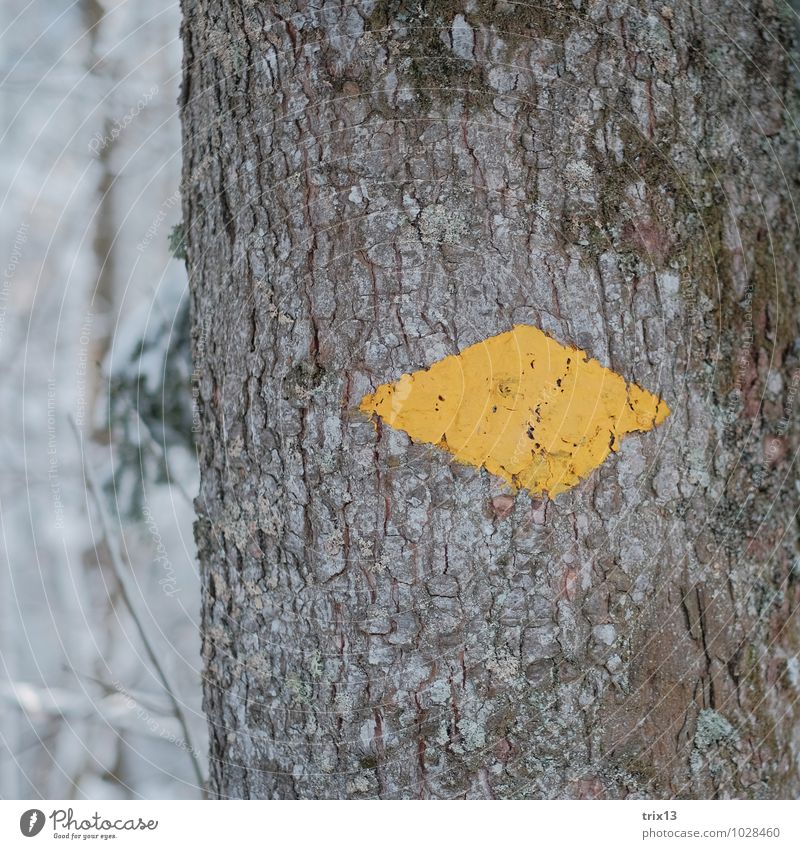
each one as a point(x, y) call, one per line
point(99, 600)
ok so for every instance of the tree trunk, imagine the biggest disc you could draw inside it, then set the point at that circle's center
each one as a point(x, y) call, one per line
point(371, 186)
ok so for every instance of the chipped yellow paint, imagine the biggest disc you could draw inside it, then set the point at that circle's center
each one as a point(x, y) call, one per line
point(536, 413)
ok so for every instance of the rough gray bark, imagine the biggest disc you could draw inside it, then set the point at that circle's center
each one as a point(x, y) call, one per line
point(370, 186)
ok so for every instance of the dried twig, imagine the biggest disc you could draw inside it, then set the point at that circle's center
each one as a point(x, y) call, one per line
point(122, 580)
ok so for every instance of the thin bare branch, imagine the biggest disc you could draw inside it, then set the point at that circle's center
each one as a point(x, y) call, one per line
point(122, 579)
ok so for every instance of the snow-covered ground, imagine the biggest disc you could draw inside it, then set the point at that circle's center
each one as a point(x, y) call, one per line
point(89, 175)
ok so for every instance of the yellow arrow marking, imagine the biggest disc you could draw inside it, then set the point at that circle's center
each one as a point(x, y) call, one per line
point(536, 413)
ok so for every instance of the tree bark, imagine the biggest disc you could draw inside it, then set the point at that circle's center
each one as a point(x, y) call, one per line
point(370, 186)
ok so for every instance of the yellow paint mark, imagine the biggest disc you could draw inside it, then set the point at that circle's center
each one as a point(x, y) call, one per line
point(536, 413)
